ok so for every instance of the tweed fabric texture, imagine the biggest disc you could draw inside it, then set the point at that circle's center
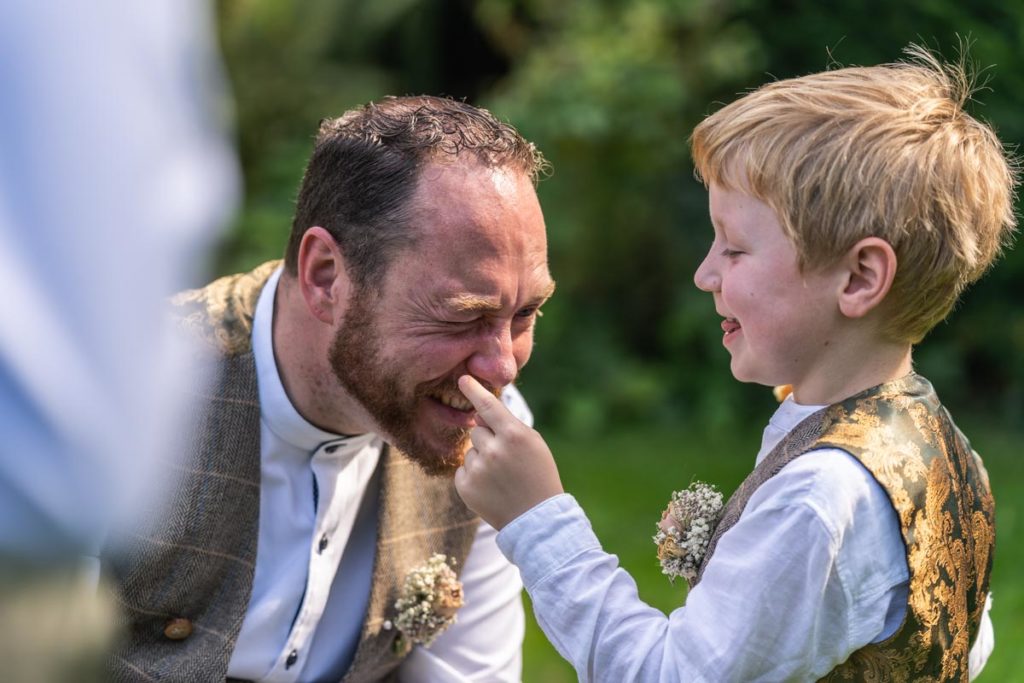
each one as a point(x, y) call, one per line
point(196, 558)
point(940, 490)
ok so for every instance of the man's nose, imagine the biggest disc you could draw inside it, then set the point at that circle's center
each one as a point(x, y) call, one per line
point(494, 361)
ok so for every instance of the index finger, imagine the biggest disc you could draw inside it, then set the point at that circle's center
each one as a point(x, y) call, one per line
point(489, 408)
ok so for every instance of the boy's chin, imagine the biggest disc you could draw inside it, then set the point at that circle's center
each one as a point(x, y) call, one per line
point(747, 375)
point(779, 386)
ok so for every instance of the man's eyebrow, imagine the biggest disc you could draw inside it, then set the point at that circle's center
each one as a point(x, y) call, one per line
point(473, 303)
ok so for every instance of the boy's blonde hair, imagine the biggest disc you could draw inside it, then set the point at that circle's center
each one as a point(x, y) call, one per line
point(884, 151)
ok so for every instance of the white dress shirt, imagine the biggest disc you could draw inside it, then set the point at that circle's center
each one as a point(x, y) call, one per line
point(317, 542)
point(814, 569)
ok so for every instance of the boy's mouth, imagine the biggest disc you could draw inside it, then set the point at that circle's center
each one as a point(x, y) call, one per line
point(730, 326)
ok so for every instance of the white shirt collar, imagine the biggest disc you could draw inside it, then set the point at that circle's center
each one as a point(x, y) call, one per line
point(276, 408)
point(788, 415)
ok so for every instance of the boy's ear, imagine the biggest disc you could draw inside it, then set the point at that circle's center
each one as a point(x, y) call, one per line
point(870, 267)
point(323, 279)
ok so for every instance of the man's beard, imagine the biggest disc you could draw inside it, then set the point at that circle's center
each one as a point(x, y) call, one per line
point(355, 357)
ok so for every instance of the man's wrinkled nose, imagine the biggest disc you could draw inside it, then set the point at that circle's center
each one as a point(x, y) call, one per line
point(494, 361)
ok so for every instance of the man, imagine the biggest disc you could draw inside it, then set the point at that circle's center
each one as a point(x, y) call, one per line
point(320, 471)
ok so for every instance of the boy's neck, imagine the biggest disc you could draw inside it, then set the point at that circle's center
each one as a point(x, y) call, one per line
point(860, 368)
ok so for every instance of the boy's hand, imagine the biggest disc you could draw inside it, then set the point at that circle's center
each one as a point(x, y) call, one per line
point(509, 469)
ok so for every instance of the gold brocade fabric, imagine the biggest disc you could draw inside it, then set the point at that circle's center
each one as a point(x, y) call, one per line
point(939, 488)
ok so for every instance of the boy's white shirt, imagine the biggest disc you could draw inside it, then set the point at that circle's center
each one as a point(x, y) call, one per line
point(817, 551)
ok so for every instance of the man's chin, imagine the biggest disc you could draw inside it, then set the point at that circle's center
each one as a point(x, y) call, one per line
point(438, 467)
point(436, 460)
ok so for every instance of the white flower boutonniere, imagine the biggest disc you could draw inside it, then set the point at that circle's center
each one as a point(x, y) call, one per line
point(430, 597)
point(685, 529)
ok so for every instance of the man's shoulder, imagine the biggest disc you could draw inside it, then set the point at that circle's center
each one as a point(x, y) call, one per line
point(516, 404)
point(220, 314)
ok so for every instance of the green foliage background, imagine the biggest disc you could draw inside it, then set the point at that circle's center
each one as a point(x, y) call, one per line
point(609, 90)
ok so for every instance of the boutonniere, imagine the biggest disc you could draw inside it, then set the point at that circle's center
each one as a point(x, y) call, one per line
point(685, 530)
point(430, 597)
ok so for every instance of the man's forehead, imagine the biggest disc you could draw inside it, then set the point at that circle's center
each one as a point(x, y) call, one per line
point(463, 233)
point(479, 232)
point(468, 189)
point(466, 165)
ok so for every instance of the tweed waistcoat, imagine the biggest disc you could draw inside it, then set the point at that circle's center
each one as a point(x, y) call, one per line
point(196, 559)
point(939, 488)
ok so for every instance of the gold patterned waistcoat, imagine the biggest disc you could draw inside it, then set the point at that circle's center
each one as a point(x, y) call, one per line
point(196, 563)
point(939, 488)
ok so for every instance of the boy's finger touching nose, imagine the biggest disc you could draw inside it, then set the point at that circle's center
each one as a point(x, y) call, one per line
point(490, 410)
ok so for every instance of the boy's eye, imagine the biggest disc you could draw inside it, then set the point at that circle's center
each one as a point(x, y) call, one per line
point(731, 253)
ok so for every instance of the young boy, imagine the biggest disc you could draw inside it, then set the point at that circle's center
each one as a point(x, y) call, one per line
point(850, 209)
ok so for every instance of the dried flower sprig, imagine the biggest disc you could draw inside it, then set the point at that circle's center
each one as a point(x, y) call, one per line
point(430, 597)
point(685, 529)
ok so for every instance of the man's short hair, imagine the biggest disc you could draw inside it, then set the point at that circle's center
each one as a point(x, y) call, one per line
point(365, 166)
point(884, 151)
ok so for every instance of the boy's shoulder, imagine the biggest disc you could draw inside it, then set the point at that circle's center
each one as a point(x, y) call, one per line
point(829, 489)
point(827, 482)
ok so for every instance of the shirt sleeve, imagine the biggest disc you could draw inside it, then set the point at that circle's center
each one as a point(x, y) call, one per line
point(516, 404)
point(91, 374)
point(485, 642)
point(983, 644)
point(785, 557)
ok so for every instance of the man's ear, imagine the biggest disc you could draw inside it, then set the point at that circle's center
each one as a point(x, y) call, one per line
point(323, 280)
point(870, 267)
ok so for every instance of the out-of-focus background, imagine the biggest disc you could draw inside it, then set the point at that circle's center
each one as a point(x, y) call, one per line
point(629, 380)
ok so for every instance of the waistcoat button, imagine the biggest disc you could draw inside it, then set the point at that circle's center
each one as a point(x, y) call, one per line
point(178, 629)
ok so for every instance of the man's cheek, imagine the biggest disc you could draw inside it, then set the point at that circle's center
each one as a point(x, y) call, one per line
point(523, 351)
point(439, 362)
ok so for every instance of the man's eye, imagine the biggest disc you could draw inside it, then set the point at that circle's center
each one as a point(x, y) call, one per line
point(529, 312)
point(459, 323)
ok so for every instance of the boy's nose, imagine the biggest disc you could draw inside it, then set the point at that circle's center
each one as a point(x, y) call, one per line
point(706, 277)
